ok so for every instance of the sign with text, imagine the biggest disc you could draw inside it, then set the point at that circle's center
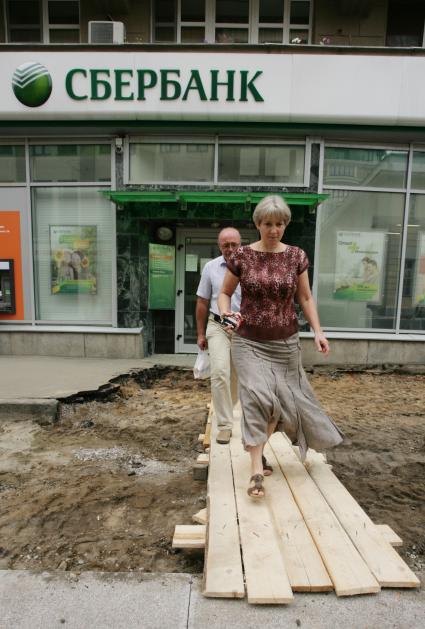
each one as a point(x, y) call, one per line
point(359, 265)
point(162, 277)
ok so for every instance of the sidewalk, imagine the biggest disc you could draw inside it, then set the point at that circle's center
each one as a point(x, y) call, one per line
point(174, 601)
point(50, 377)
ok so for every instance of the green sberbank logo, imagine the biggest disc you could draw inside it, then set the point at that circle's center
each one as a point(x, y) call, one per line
point(32, 84)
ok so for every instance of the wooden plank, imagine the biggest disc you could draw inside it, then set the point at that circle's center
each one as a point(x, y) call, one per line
point(203, 459)
point(390, 535)
point(305, 568)
point(384, 562)
point(201, 437)
point(348, 571)
point(265, 574)
point(189, 536)
point(223, 574)
point(201, 517)
point(207, 437)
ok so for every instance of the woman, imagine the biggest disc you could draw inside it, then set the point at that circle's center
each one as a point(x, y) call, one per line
point(274, 390)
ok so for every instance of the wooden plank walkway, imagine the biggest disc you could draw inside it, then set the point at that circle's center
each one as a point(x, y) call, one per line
point(308, 534)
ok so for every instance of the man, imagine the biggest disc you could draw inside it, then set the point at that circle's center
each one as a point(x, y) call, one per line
point(224, 385)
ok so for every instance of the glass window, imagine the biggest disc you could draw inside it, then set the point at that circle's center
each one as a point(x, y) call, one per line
point(300, 12)
point(24, 21)
point(64, 12)
point(24, 12)
point(418, 170)
point(192, 34)
point(372, 168)
point(298, 36)
point(192, 10)
point(261, 163)
point(405, 23)
point(64, 36)
point(150, 163)
point(165, 16)
point(12, 164)
point(359, 259)
point(231, 35)
point(232, 11)
point(270, 35)
point(70, 162)
point(270, 11)
point(73, 245)
point(413, 299)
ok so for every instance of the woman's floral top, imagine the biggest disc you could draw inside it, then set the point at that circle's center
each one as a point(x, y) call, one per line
point(268, 282)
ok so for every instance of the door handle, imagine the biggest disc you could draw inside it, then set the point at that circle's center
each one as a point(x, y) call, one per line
point(178, 337)
point(179, 292)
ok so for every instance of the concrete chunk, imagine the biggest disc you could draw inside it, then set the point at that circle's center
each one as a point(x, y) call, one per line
point(42, 411)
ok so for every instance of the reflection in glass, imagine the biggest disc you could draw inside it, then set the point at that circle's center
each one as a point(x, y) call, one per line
point(261, 163)
point(418, 170)
point(70, 162)
point(12, 164)
point(359, 259)
point(151, 163)
point(374, 168)
point(413, 300)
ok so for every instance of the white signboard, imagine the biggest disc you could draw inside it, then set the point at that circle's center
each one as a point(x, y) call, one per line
point(299, 86)
point(359, 266)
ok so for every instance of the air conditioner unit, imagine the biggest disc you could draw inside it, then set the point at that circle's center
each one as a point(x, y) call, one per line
point(106, 32)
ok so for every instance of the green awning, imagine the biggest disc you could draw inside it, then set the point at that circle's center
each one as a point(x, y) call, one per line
point(217, 197)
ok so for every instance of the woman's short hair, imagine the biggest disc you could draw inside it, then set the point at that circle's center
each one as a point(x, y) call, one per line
point(271, 206)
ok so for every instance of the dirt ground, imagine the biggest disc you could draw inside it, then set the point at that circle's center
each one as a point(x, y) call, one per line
point(104, 487)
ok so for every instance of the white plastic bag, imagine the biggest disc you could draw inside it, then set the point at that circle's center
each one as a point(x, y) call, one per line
point(201, 370)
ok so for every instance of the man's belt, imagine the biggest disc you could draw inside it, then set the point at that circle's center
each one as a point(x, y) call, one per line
point(215, 317)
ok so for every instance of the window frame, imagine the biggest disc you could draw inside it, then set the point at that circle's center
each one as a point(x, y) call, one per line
point(218, 141)
point(252, 26)
point(45, 27)
point(407, 191)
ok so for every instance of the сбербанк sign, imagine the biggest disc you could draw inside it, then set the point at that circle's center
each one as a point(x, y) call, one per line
point(293, 86)
point(125, 85)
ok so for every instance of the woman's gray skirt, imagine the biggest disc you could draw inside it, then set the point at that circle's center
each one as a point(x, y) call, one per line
point(273, 386)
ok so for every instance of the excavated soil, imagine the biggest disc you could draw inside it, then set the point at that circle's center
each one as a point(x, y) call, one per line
point(104, 487)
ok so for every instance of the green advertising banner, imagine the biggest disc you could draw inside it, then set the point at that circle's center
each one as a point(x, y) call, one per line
point(162, 277)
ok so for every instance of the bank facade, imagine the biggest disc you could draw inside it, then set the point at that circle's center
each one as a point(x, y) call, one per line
point(119, 164)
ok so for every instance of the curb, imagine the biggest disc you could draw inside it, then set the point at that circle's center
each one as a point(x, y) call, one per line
point(42, 411)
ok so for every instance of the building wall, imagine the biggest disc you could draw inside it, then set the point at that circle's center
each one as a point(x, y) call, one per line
point(134, 14)
point(2, 24)
point(364, 26)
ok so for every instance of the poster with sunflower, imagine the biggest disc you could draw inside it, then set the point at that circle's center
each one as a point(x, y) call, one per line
point(73, 259)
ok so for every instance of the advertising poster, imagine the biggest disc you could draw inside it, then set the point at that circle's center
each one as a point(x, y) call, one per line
point(359, 266)
point(11, 280)
point(162, 277)
point(73, 259)
point(420, 272)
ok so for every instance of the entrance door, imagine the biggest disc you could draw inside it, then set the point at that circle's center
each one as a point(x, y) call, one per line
point(195, 247)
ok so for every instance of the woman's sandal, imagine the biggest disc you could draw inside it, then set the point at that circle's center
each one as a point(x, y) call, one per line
point(257, 479)
point(267, 468)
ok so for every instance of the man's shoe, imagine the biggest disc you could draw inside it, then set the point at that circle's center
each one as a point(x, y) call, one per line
point(223, 436)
